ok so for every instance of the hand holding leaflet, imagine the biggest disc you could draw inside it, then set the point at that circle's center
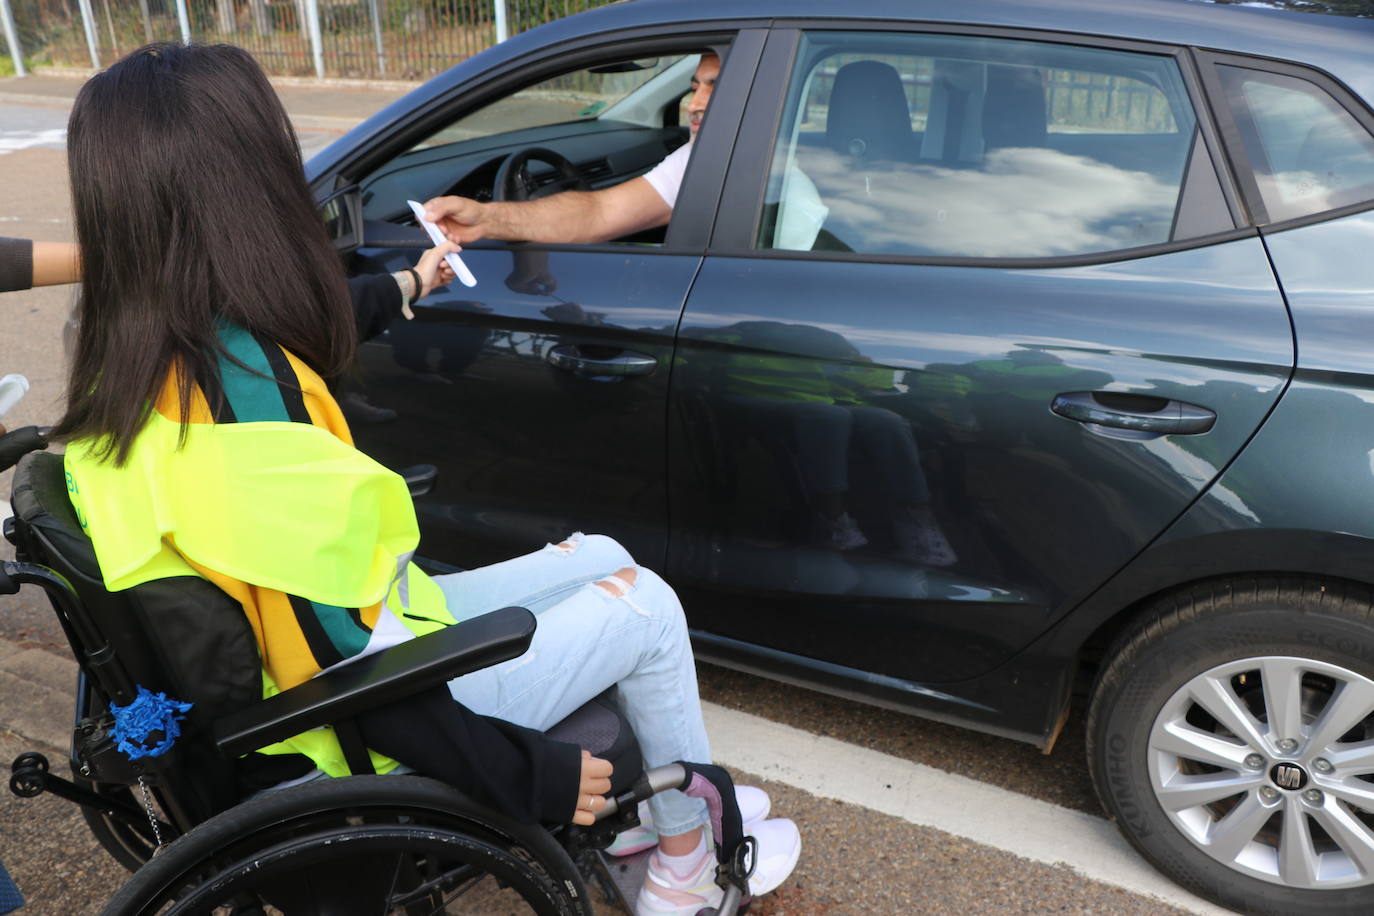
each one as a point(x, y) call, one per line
point(460, 269)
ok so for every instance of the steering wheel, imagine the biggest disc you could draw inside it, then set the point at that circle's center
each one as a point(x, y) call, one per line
point(513, 179)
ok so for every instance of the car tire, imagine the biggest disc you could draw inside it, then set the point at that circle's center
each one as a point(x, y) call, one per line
point(1231, 737)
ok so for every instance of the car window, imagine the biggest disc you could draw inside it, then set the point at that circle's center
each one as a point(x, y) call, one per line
point(1307, 153)
point(575, 96)
point(962, 146)
point(610, 121)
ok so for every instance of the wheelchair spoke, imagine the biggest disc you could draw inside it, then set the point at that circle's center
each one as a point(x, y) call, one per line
point(452, 884)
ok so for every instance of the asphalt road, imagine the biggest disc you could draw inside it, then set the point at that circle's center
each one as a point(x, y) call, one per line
point(866, 852)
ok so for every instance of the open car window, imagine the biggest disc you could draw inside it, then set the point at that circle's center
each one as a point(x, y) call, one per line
point(613, 121)
point(577, 96)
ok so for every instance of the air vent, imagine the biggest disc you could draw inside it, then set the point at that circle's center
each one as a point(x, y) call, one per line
point(593, 171)
point(597, 169)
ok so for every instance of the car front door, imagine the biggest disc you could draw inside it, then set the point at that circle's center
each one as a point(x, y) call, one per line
point(976, 324)
point(539, 394)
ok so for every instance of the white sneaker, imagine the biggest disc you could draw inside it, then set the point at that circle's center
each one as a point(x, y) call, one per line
point(920, 539)
point(754, 806)
point(840, 533)
point(667, 893)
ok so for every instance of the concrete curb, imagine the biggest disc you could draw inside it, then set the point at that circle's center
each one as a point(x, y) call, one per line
point(32, 99)
point(301, 82)
point(306, 121)
point(57, 88)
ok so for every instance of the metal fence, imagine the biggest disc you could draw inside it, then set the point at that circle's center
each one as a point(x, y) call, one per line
point(366, 39)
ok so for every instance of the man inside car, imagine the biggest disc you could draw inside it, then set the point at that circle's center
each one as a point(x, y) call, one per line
point(645, 202)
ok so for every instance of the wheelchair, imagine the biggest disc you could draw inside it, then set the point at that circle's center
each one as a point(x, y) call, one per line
point(212, 826)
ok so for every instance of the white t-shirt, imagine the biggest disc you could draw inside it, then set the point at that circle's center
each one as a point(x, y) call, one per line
point(666, 177)
point(800, 212)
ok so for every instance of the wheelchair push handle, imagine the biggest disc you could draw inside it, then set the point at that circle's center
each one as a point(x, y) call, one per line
point(652, 782)
point(17, 443)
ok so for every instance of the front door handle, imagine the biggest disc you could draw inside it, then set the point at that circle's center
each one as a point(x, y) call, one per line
point(1133, 416)
point(570, 358)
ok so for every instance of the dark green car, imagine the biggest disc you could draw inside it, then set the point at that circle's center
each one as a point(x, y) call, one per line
point(1002, 361)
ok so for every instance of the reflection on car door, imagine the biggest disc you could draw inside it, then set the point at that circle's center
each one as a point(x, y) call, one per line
point(538, 395)
point(909, 468)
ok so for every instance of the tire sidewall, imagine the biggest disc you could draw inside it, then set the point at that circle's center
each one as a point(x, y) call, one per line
point(1152, 670)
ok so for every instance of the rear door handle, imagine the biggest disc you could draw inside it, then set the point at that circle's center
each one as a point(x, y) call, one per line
point(570, 358)
point(1133, 416)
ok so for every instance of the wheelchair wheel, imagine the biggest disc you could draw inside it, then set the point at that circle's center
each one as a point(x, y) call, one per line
point(358, 846)
point(130, 847)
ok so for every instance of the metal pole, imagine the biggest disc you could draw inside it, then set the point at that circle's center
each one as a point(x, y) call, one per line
point(502, 33)
point(12, 38)
point(377, 35)
point(184, 20)
point(88, 20)
point(147, 15)
point(312, 14)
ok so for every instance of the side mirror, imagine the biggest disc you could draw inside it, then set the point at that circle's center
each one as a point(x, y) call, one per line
point(342, 211)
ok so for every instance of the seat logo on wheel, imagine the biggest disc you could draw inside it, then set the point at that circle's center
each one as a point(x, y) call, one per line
point(1288, 776)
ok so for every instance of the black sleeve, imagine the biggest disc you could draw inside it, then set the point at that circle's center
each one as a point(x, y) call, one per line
point(376, 303)
point(16, 264)
point(518, 771)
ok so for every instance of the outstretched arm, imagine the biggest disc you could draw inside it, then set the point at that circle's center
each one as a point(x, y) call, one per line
point(24, 263)
point(56, 262)
point(573, 216)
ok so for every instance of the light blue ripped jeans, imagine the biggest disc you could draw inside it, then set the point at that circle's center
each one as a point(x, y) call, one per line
point(588, 639)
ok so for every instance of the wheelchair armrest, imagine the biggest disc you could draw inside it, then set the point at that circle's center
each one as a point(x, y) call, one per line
point(383, 677)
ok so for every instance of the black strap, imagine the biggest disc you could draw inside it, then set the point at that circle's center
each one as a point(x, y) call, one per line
point(736, 853)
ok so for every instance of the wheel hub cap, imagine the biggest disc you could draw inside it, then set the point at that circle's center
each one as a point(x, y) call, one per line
point(1288, 776)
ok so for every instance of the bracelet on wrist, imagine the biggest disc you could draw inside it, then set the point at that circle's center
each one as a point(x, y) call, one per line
point(405, 283)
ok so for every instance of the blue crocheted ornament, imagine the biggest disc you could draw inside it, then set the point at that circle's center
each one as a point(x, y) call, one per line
point(149, 712)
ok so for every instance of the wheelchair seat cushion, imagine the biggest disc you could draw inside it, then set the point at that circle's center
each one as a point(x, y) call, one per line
point(600, 727)
point(526, 774)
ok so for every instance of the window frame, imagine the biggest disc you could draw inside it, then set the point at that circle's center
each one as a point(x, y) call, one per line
point(737, 220)
point(1239, 158)
point(688, 231)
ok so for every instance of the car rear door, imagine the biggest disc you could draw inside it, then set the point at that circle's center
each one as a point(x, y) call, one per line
point(975, 325)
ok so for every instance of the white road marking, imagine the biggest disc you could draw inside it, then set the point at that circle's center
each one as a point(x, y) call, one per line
point(52, 138)
point(923, 795)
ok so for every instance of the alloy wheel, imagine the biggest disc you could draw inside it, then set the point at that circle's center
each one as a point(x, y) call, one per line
point(1267, 765)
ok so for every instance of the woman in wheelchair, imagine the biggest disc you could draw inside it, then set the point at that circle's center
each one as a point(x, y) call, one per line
point(203, 438)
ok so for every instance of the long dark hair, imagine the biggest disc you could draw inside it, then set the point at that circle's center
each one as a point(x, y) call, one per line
point(191, 210)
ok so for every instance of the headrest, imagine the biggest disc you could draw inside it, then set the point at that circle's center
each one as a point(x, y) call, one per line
point(1014, 112)
point(869, 117)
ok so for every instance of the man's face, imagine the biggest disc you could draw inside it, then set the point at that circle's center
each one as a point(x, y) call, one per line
point(703, 84)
